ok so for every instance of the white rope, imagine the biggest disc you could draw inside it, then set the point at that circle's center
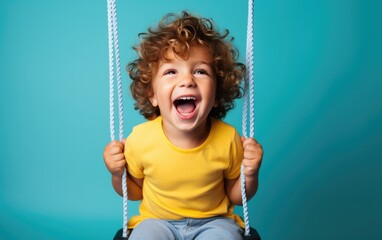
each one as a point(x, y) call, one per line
point(114, 50)
point(248, 105)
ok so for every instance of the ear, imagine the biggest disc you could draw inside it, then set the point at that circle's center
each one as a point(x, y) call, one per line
point(153, 100)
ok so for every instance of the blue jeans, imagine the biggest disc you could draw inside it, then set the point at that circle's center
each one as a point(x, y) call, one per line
point(219, 228)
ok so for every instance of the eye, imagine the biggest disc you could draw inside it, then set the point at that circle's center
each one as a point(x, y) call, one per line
point(169, 72)
point(200, 71)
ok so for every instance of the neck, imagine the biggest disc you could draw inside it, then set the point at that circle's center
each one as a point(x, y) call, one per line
point(189, 139)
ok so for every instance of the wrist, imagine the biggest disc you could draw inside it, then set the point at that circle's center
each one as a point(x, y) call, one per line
point(252, 176)
point(116, 177)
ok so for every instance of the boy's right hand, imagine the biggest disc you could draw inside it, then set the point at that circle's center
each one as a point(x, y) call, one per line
point(114, 158)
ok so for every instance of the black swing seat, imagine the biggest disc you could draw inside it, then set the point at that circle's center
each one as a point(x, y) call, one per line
point(253, 235)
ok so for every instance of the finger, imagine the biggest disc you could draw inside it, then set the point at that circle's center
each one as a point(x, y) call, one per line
point(114, 150)
point(119, 164)
point(251, 143)
point(114, 147)
point(247, 142)
point(252, 164)
point(253, 157)
point(116, 158)
point(114, 164)
point(252, 152)
point(253, 148)
point(111, 145)
point(120, 144)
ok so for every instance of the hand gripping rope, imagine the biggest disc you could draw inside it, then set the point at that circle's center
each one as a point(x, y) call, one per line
point(248, 105)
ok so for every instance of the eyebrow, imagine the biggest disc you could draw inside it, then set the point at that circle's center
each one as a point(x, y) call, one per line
point(172, 61)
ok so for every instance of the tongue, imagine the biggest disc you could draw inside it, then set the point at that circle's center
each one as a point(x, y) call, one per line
point(187, 107)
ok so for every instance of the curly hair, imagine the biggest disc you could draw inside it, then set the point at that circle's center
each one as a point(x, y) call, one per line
point(179, 33)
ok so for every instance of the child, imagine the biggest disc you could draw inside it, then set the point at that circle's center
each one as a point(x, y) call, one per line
point(184, 163)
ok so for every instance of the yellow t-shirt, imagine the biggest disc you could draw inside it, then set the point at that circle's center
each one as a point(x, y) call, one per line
point(183, 183)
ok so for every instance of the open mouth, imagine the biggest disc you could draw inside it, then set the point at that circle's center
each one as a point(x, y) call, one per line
point(185, 106)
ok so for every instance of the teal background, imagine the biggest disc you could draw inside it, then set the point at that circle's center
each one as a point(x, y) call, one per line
point(318, 114)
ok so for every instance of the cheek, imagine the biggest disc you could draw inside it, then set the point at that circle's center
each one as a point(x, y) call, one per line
point(165, 89)
point(161, 94)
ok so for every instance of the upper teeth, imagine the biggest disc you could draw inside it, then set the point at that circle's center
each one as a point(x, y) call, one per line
point(186, 98)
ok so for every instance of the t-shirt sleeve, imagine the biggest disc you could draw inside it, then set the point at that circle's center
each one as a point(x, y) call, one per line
point(236, 158)
point(134, 166)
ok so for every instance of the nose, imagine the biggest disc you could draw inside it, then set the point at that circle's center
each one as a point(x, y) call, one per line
point(186, 80)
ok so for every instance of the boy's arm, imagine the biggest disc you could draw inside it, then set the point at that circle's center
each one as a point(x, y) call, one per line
point(253, 154)
point(233, 189)
point(134, 186)
point(116, 163)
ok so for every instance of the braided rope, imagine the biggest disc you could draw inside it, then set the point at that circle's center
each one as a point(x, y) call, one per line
point(111, 72)
point(248, 105)
point(250, 64)
point(114, 50)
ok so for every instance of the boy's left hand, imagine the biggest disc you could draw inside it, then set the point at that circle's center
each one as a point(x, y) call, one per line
point(253, 155)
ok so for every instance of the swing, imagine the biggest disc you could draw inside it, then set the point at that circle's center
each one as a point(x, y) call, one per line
point(248, 105)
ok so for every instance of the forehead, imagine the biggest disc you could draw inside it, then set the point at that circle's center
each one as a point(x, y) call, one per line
point(196, 53)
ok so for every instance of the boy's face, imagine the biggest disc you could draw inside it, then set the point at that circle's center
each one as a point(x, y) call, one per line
point(184, 91)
